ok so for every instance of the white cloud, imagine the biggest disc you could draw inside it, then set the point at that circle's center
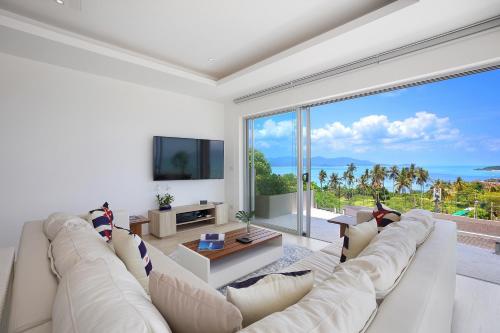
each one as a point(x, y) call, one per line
point(272, 129)
point(369, 132)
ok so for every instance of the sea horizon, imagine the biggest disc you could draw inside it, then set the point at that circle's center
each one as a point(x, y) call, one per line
point(442, 172)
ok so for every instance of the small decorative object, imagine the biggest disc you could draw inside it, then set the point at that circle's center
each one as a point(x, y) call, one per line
point(203, 202)
point(164, 201)
point(245, 217)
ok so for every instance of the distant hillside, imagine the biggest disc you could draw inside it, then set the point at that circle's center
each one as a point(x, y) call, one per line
point(319, 161)
point(490, 168)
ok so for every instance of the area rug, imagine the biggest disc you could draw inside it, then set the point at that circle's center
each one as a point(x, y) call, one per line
point(291, 254)
point(478, 263)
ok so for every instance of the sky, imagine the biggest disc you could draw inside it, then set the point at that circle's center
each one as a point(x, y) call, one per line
point(451, 122)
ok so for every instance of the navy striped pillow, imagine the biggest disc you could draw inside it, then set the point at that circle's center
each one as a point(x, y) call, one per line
point(102, 220)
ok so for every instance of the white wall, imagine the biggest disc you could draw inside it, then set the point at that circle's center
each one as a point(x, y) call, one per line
point(457, 56)
point(70, 141)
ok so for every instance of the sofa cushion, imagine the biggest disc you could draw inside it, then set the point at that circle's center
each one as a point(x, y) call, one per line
point(76, 242)
point(188, 309)
point(263, 295)
point(345, 303)
point(99, 296)
point(102, 220)
point(133, 252)
point(384, 259)
point(356, 238)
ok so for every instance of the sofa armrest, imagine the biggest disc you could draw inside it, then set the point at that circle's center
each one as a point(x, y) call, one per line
point(363, 215)
point(6, 274)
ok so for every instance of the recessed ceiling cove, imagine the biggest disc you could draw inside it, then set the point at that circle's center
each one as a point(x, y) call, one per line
point(213, 38)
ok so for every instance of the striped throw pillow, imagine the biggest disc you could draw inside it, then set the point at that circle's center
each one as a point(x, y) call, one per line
point(102, 220)
point(356, 238)
point(385, 216)
point(131, 249)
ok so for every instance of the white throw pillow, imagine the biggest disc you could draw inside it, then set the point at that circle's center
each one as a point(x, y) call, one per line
point(385, 259)
point(76, 242)
point(56, 221)
point(261, 296)
point(356, 238)
point(98, 296)
point(345, 303)
point(188, 309)
point(133, 252)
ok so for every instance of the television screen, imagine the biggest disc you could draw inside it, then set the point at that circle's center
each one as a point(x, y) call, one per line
point(180, 158)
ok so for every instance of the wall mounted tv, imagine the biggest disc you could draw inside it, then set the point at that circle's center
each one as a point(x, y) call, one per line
point(181, 158)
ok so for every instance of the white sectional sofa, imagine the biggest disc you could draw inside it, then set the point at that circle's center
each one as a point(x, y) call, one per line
point(422, 301)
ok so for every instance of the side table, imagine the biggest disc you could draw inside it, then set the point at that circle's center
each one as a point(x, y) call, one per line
point(136, 222)
point(343, 221)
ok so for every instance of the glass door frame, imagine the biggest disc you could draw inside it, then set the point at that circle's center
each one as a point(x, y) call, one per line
point(303, 131)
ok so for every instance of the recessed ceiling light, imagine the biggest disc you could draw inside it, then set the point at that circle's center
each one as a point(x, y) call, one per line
point(59, 2)
point(211, 59)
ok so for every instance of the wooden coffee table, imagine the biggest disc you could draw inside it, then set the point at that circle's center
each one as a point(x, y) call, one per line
point(221, 267)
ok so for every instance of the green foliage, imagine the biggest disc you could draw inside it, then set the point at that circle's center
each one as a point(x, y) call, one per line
point(164, 199)
point(262, 166)
point(244, 216)
point(268, 183)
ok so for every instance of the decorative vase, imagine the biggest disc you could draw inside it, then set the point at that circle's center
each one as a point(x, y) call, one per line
point(166, 207)
point(248, 228)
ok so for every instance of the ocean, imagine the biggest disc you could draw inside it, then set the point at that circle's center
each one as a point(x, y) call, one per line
point(446, 173)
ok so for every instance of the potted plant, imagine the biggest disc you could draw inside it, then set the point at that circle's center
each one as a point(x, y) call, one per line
point(164, 201)
point(245, 217)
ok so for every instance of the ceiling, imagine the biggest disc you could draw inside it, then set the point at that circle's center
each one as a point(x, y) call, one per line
point(212, 38)
point(255, 44)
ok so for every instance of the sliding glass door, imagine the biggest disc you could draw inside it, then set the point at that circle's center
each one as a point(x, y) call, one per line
point(273, 169)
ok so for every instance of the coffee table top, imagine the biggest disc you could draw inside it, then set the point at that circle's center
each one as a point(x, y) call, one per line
point(257, 235)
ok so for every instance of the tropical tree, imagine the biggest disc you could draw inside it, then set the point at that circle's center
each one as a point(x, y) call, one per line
point(378, 177)
point(322, 178)
point(334, 181)
point(412, 175)
point(403, 181)
point(349, 176)
point(393, 174)
point(364, 182)
point(422, 179)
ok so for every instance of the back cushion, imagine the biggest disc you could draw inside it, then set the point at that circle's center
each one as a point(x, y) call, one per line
point(345, 302)
point(384, 259)
point(74, 243)
point(98, 296)
point(56, 221)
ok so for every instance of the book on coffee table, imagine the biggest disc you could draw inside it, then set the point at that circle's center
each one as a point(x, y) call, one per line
point(211, 242)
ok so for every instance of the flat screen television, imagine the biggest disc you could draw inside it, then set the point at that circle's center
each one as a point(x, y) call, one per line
point(181, 158)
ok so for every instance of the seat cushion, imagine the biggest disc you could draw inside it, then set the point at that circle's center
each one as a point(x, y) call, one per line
point(188, 309)
point(99, 296)
point(31, 304)
point(334, 249)
point(345, 303)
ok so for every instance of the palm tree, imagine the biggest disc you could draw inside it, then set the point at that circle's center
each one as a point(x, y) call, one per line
point(422, 179)
point(412, 174)
point(364, 180)
point(349, 175)
point(402, 181)
point(378, 177)
point(334, 181)
point(393, 174)
point(459, 186)
point(322, 177)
